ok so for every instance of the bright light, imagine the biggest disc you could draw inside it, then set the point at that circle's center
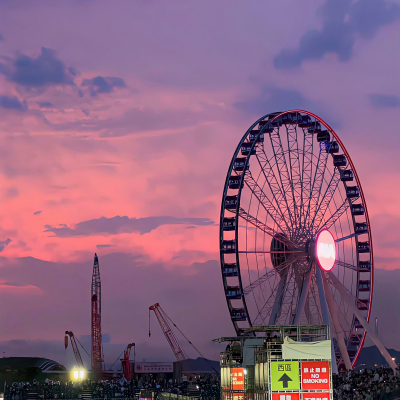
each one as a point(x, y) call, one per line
point(197, 387)
point(245, 371)
point(78, 374)
point(325, 251)
point(393, 358)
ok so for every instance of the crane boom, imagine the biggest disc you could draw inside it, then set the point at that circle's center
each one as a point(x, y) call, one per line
point(168, 333)
point(74, 348)
point(126, 367)
point(96, 319)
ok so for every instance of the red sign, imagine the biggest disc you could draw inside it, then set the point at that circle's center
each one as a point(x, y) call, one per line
point(237, 379)
point(285, 396)
point(315, 375)
point(325, 251)
point(316, 396)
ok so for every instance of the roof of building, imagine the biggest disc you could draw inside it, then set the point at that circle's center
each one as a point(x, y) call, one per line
point(44, 364)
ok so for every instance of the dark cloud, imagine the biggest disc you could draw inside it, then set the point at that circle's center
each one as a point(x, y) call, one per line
point(37, 212)
point(113, 226)
point(343, 22)
point(12, 192)
point(384, 100)
point(4, 243)
point(274, 99)
point(13, 103)
point(103, 84)
point(103, 246)
point(45, 69)
point(45, 104)
point(191, 227)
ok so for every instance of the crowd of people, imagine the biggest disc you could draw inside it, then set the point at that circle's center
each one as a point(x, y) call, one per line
point(207, 388)
point(368, 384)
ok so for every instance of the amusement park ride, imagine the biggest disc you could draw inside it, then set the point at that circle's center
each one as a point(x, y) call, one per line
point(295, 236)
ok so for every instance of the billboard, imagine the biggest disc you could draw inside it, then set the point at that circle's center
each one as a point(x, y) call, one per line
point(237, 378)
point(316, 396)
point(285, 396)
point(153, 367)
point(285, 375)
point(315, 375)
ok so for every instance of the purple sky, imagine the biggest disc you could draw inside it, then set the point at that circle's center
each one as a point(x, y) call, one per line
point(118, 123)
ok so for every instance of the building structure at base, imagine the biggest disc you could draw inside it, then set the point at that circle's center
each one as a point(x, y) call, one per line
point(278, 363)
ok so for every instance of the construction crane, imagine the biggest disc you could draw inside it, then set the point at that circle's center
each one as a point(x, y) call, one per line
point(169, 334)
point(74, 348)
point(126, 366)
point(96, 320)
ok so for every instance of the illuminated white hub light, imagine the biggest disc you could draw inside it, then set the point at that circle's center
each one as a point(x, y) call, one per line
point(81, 374)
point(325, 250)
point(76, 374)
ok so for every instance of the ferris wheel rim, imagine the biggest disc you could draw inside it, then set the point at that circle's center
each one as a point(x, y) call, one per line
point(275, 117)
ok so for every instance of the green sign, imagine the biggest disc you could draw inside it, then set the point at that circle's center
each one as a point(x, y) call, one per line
point(285, 375)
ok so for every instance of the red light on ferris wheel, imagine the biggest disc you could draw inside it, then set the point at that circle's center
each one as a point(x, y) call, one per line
point(325, 250)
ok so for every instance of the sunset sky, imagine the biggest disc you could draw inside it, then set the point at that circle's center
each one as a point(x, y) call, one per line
point(118, 121)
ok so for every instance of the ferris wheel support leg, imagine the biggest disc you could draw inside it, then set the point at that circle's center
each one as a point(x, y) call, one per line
point(324, 306)
point(348, 298)
point(276, 308)
point(322, 298)
point(302, 301)
point(333, 311)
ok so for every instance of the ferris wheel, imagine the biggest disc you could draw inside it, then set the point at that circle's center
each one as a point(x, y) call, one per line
point(295, 237)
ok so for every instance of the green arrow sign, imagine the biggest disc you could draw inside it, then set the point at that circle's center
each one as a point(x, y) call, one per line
point(285, 375)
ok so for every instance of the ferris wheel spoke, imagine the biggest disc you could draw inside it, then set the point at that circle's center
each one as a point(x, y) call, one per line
point(336, 215)
point(265, 310)
point(284, 266)
point(273, 184)
point(263, 199)
point(283, 172)
point(295, 175)
point(346, 265)
point(326, 199)
point(317, 184)
point(306, 174)
point(265, 228)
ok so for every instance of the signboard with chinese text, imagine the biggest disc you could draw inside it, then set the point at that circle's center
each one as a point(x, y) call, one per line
point(285, 375)
point(153, 367)
point(316, 396)
point(237, 378)
point(315, 375)
point(233, 396)
point(285, 396)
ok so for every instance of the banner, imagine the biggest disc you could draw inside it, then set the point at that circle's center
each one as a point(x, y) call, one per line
point(292, 350)
point(153, 367)
point(237, 378)
point(285, 396)
point(285, 375)
point(315, 375)
point(316, 396)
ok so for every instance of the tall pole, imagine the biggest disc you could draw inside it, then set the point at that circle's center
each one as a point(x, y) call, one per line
point(96, 320)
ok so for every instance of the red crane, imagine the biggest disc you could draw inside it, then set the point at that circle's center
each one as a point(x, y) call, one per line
point(96, 320)
point(74, 348)
point(126, 366)
point(169, 334)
